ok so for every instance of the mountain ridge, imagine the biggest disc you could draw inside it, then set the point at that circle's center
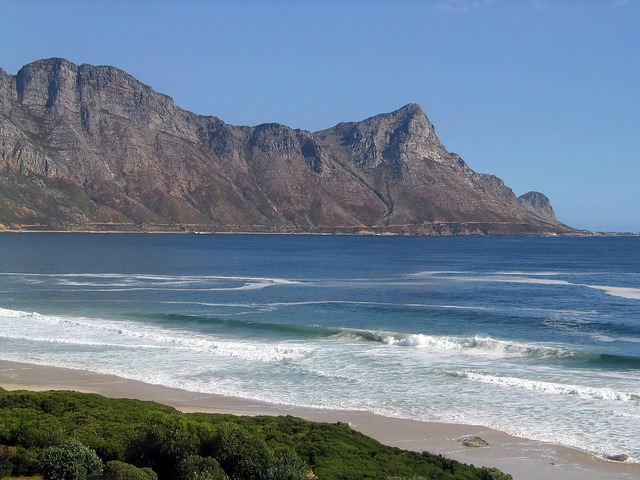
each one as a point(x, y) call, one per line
point(87, 147)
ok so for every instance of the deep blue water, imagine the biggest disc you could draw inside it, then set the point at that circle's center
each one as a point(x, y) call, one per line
point(535, 336)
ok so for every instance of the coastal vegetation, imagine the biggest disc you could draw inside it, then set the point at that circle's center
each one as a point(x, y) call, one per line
point(58, 435)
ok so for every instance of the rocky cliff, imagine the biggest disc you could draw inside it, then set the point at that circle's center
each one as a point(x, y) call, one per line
point(539, 205)
point(90, 148)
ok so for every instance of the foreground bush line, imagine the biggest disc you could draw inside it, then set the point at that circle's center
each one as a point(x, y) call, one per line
point(75, 436)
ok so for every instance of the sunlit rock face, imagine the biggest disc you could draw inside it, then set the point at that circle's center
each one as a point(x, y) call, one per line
point(91, 148)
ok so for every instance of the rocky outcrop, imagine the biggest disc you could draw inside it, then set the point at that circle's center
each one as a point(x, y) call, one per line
point(91, 148)
point(474, 442)
point(620, 457)
point(538, 204)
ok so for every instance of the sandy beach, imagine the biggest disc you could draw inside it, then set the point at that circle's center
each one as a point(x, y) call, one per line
point(524, 459)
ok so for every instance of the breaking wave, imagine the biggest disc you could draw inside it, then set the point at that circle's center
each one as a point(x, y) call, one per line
point(593, 393)
point(268, 340)
point(480, 345)
point(94, 332)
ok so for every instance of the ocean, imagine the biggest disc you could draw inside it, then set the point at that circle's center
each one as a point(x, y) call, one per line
point(536, 337)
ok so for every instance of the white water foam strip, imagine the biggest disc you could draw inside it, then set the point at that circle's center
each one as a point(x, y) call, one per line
point(476, 346)
point(524, 277)
point(96, 330)
point(332, 302)
point(481, 346)
point(145, 276)
point(128, 282)
point(139, 281)
point(634, 416)
point(592, 393)
point(535, 274)
point(259, 353)
point(623, 292)
point(5, 312)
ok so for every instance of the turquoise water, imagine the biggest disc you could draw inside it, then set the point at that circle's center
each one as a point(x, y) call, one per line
point(538, 337)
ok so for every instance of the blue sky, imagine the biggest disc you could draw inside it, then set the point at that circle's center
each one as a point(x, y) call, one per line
point(544, 94)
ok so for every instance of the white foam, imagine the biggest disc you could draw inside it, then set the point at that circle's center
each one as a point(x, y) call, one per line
point(594, 393)
point(517, 279)
point(476, 345)
point(599, 337)
point(623, 292)
point(420, 340)
point(374, 304)
point(533, 274)
point(99, 332)
point(629, 339)
point(4, 312)
point(431, 273)
point(139, 282)
point(210, 304)
point(511, 277)
point(617, 413)
point(525, 277)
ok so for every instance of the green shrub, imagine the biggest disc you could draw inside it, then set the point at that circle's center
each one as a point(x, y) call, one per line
point(72, 461)
point(148, 434)
point(493, 474)
point(7, 456)
point(245, 455)
point(25, 462)
point(43, 436)
point(117, 470)
point(242, 455)
point(162, 443)
point(195, 467)
point(407, 478)
point(288, 466)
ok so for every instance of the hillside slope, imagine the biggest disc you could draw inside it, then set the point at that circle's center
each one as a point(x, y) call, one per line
point(87, 147)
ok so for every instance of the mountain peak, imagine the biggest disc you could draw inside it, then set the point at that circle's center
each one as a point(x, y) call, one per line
point(91, 147)
point(410, 109)
point(53, 62)
point(539, 204)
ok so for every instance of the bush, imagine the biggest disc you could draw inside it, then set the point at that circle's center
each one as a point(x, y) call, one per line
point(195, 467)
point(7, 456)
point(494, 474)
point(25, 462)
point(148, 434)
point(289, 466)
point(73, 461)
point(162, 443)
point(117, 470)
point(241, 454)
point(244, 455)
point(38, 434)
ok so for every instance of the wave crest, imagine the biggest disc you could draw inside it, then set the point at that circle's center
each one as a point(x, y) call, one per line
point(5, 312)
point(87, 331)
point(592, 393)
point(476, 344)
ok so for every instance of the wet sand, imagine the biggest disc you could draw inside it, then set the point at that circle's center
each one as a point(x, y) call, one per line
point(522, 458)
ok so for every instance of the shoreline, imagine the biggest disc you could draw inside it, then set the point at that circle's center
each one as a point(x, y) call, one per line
point(577, 234)
point(330, 231)
point(523, 458)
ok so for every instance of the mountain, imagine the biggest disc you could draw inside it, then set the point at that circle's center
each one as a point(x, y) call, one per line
point(539, 205)
point(87, 147)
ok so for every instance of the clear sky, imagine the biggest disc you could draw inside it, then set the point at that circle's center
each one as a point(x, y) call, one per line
point(544, 94)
